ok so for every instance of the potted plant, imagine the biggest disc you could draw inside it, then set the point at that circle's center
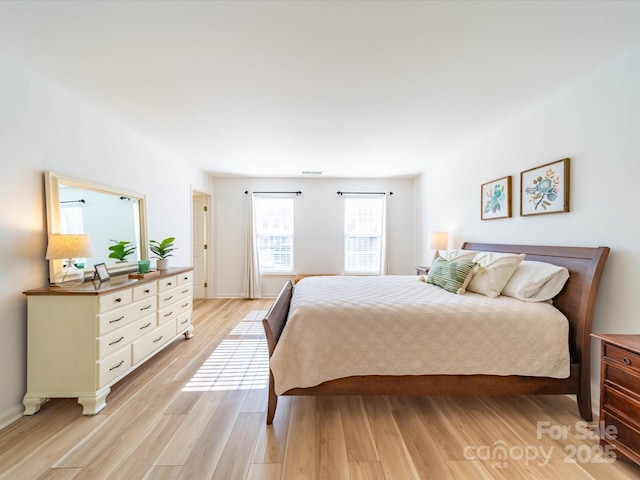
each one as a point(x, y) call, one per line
point(162, 250)
point(121, 250)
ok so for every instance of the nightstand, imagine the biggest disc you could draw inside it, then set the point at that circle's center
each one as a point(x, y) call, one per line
point(422, 270)
point(620, 395)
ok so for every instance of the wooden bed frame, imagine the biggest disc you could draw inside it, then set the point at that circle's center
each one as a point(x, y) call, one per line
point(576, 300)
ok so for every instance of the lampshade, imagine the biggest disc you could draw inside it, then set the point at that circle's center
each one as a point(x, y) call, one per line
point(438, 240)
point(68, 247)
point(63, 246)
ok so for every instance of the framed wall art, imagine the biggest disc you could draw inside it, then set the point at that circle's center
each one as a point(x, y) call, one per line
point(545, 189)
point(495, 199)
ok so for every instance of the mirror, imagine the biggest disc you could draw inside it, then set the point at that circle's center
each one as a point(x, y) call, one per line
point(104, 213)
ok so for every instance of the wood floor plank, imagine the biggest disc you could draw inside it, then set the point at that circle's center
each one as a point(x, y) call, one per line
point(301, 452)
point(424, 452)
point(238, 451)
point(58, 474)
point(265, 471)
point(357, 430)
point(51, 449)
point(181, 444)
point(366, 471)
point(142, 455)
point(331, 462)
point(392, 451)
point(272, 439)
point(207, 451)
point(163, 473)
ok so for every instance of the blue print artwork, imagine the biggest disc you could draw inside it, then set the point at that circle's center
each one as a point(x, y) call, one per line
point(495, 202)
point(544, 190)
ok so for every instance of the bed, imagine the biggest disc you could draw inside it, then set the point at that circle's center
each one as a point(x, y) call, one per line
point(571, 375)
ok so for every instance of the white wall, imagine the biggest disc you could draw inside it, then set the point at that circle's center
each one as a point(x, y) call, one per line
point(319, 224)
point(44, 128)
point(596, 123)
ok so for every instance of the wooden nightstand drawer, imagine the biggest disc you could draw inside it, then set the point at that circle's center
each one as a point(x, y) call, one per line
point(622, 405)
point(621, 355)
point(621, 377)
point(625, 437)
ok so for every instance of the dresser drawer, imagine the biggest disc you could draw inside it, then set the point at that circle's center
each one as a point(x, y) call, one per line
point(152, 341)
point(146, 290)
point(621, 355)
point(184, 321)
point(186, 277)
point(112, 341)
point(114, 365)
point(115, 319)
point(114, 300)
point(144, 307)
point(172, 311)
point(172, 296)
point(167, 283)
point(146, 325)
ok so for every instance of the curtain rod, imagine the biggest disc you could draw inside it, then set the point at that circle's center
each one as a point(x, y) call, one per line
point(73, 201)
point(363, 193)
point(246, 192)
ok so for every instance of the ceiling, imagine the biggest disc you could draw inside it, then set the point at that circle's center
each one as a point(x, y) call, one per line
point(347, 88)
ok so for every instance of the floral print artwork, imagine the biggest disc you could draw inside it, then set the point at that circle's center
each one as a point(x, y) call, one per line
point(544, 190)
point(496, 201)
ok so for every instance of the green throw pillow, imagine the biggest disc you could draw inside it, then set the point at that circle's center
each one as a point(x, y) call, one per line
point(452, 276)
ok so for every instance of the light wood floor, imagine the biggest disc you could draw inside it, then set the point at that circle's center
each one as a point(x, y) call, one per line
point(197, 411)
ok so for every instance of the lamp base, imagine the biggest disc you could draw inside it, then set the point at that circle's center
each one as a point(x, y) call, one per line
point(69, 277)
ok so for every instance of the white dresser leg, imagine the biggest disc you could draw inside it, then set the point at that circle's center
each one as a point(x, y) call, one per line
point(32, 404)
point(93, 404)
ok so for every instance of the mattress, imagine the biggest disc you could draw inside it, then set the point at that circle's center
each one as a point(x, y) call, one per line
point(343, 326)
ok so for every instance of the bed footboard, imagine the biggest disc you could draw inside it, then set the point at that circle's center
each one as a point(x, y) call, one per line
point(273, 325)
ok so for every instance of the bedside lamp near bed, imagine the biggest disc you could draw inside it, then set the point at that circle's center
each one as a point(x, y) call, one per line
point(438, 241)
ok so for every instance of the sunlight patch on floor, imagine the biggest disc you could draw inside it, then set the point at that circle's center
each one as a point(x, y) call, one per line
point(240, 362)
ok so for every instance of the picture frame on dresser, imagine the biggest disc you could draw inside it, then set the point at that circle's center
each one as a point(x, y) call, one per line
point(102, 272)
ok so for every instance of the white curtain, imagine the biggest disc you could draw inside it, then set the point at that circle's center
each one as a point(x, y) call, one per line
point(252, 270)
point(384, 260)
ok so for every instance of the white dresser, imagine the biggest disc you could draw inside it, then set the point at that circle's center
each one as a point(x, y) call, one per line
point(82, 340)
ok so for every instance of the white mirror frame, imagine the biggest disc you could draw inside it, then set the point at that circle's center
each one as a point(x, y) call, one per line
point(52, 183)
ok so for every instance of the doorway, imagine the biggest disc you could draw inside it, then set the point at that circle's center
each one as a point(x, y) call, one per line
point(201, 209)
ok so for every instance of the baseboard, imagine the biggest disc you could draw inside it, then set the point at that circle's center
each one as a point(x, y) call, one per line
point(10, 416)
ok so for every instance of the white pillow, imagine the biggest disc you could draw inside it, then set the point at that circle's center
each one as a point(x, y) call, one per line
point(459, 255)
point(494, 272)
point(536, 281)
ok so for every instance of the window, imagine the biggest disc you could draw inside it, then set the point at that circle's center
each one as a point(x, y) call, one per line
point(274, 234)
point(363, 234)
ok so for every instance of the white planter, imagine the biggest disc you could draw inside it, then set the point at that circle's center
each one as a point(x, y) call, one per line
point(162, 264)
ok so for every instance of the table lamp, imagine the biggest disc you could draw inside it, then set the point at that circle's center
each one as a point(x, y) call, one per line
point(438, 241)
point(66, 247)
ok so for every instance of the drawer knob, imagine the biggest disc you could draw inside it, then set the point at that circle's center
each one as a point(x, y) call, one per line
point(158, 339)
point(117, 341)
point(145, 326)
point(146, 308)
point(626, 361)
point(116, 319)
point(118, 300)
point(147, 291)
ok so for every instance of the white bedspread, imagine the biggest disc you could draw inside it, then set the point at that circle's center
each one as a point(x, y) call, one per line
point(397, 325)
